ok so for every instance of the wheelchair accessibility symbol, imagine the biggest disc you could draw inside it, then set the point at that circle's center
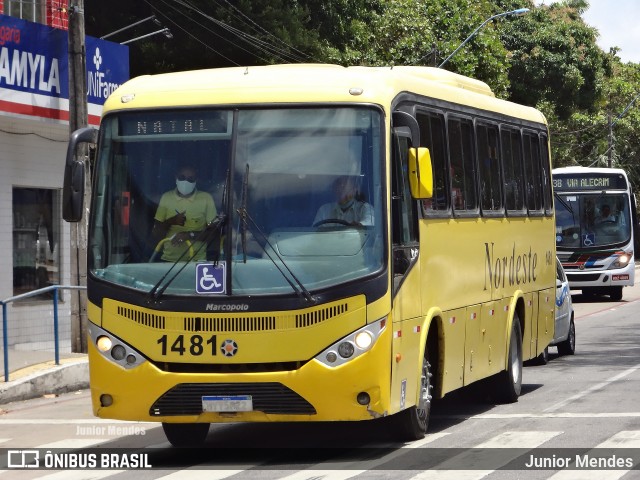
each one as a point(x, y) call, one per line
point(210, 278)
point(589, 239)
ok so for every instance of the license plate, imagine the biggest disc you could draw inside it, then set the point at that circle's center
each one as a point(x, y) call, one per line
point(222, 403)
point(620, 277)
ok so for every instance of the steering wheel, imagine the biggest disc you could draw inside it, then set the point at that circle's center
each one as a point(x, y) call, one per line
point(333, 220)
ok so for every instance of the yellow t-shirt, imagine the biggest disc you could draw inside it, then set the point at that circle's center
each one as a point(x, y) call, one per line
point(199, 210)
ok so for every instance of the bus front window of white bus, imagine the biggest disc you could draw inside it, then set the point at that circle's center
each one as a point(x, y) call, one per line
point(592, 220)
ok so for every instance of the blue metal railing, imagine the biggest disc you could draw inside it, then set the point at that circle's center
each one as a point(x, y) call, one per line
point(5, 328)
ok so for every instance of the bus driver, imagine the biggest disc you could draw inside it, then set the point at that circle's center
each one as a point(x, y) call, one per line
point(346, 207)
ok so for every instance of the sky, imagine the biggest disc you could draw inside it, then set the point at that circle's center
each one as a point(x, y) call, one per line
point(618, 22)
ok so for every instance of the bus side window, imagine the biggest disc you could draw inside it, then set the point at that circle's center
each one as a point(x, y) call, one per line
point(463, 165)
point(534, 175)
point(513, 170)
point(432, 136)
point(489, 168)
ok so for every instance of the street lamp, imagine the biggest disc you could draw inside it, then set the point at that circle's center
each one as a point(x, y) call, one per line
point(519, 11)
point(167, 33)
point(152, 17)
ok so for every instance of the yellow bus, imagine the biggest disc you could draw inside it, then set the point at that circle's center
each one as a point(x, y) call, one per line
point(301, 299)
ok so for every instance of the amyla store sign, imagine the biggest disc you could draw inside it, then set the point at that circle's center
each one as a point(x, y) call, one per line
point(34, 75)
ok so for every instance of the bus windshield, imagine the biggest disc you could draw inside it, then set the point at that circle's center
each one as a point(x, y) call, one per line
point(587, 220)
point(284, 200)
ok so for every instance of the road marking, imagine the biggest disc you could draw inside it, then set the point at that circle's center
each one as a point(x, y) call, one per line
point(71, 443)
point(80, 474)
point(339, 470)
point(589, 390)
point(506, 416)
point(477, 456)
point(624, 439)
point(71, 421)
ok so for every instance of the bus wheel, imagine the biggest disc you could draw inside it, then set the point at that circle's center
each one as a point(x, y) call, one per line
point(186, 434)
point(568, 347)
point(508, 384)
point(412, 423)
point(615, 294)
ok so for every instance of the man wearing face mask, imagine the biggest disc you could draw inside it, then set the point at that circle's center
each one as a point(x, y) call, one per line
point(347, 207)
point(183, 213)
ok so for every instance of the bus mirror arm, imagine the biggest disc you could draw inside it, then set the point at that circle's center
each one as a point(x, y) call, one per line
point(406, 125)
point(74, 175)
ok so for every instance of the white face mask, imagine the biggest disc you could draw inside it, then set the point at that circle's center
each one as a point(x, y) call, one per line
point(185, 187)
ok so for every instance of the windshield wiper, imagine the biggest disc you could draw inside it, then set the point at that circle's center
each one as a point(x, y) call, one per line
point(565, 204)
point(243, 214)
point(204, 237)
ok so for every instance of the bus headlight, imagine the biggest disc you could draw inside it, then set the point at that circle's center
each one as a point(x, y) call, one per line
point(623, 260)
point(114, 349)
point(104, 343)
point(353, 345)
point(346, 349)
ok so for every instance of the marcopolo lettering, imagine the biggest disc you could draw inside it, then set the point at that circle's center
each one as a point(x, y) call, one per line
point(516, 269)
point(227, 307)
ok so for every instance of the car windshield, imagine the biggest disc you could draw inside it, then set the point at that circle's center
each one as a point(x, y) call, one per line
point(592, 220)
point(246, 202)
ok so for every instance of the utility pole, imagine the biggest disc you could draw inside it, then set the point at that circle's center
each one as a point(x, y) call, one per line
point(610, 140)
point(78, 117)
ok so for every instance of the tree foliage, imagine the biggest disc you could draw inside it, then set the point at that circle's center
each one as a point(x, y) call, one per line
point(547, 58)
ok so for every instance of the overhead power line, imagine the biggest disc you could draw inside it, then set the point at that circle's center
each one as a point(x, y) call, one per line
point(257, 45)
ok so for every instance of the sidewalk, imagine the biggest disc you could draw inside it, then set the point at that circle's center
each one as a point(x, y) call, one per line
point(34, 374)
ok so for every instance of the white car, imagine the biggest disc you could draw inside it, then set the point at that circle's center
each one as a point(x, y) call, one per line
point(565, 334)
point(565, 330)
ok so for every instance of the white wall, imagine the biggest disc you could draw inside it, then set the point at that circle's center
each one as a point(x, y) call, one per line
point(32, 154)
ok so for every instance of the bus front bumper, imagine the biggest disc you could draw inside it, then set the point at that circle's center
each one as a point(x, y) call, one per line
point(314, 392)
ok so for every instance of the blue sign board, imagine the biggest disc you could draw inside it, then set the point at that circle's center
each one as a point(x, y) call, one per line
point(34, 72)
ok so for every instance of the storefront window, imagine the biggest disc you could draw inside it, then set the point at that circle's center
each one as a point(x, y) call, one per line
point(31, 10)
point(36, 239)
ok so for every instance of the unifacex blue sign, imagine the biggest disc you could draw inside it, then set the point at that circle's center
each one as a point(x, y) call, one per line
point(34, 74)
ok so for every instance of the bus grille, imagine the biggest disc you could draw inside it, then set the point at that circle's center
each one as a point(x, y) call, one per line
point(175, 367)
point(591, 277)
point(273, 398)
point(143, 317)
point(229, 323)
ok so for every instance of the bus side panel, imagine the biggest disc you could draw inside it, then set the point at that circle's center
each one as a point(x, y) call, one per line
point(406, 343)
point(546, 319)
point(406, 348)
point(485, 340)
point(452, 354)
point(530, 333)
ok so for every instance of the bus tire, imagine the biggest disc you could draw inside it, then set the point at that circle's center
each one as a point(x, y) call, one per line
point(186, 434)
point(615, 294)
point(568, 346)
point(508, 384)
point(412, 423)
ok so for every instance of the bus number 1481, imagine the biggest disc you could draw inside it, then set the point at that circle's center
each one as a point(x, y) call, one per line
point(195, 344)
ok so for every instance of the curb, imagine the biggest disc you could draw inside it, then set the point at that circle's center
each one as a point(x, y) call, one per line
point(58, 379)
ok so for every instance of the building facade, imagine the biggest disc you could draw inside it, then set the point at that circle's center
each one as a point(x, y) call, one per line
point(34, 131)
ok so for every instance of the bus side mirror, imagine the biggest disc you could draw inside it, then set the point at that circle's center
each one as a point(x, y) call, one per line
point(74, 175)
point(420, 173)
